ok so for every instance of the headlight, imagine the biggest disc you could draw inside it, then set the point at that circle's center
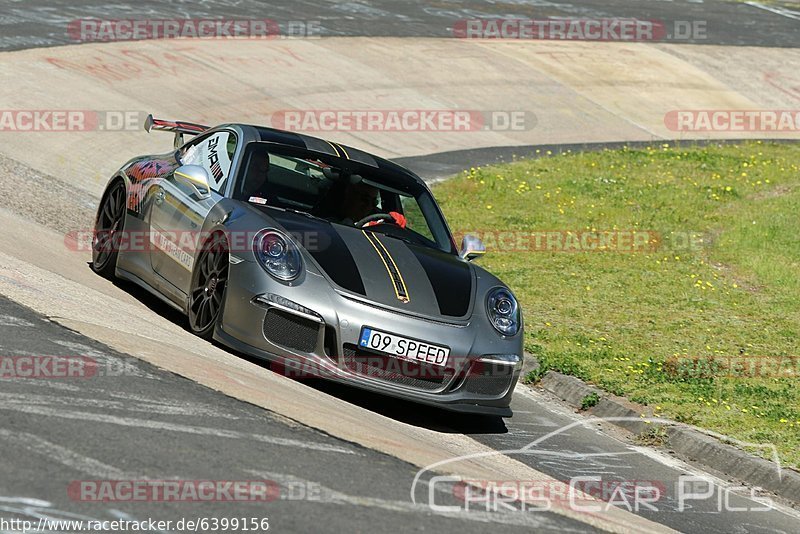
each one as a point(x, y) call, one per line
point(278, 255)
point(503, 311)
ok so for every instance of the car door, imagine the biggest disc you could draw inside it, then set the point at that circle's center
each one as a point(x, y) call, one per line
point(178, 212)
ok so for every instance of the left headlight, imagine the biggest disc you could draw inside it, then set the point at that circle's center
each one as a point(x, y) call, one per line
point(278, 255)
point(503, 311)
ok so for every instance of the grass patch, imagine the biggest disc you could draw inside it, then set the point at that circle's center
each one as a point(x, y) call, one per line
point(590, 401)
point(663, 325)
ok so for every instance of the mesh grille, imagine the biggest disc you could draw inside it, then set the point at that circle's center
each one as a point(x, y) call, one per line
point(488, 379)
point(290, 331)
point(401, 372)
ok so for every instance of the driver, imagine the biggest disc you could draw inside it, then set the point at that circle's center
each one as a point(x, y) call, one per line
point(360, 200)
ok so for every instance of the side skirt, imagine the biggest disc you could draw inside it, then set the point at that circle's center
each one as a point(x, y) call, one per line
point(125, 275)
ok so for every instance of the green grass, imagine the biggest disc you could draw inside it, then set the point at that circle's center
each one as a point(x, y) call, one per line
point(590, 401)
point(630, 322)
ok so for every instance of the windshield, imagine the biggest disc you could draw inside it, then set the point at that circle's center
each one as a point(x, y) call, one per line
point(341, 192)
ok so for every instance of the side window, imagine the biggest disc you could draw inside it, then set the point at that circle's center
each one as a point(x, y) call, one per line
point(415, 218)
point(214, 154)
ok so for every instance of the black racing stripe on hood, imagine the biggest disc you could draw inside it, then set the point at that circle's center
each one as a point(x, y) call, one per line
point(450, 278)
point(326, 246)
point(391, 267)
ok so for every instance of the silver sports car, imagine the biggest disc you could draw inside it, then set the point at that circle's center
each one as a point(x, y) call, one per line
point(318, 257)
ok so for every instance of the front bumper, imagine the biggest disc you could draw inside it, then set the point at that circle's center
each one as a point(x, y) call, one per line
point(313, 331)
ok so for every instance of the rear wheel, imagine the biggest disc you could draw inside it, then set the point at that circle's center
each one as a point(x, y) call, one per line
point(208, 286)
point(108, 231)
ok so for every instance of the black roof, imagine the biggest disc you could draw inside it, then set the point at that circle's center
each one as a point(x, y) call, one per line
point(336, 150)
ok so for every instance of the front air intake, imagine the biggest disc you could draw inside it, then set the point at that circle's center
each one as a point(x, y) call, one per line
point(488, 379)
point(291, 331)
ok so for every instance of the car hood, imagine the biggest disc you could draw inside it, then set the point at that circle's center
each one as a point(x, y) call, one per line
point(387, 271)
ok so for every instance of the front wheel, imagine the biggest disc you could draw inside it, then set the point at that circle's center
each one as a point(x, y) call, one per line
point(208, 286)
point(108, 231)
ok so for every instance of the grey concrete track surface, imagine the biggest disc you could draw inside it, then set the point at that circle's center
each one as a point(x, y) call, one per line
point(134, 422)
point(550, 437)
point(34, 23)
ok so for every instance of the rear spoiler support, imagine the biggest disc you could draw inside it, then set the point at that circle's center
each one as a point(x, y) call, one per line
point(178, 127)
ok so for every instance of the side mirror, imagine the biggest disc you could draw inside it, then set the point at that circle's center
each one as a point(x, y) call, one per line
point(196, 178)
point(471, 248)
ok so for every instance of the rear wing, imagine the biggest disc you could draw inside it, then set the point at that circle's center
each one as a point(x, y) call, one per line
point(178, 127)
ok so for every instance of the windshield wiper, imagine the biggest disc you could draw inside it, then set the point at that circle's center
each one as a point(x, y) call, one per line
point(403, 239)
point(304, 213)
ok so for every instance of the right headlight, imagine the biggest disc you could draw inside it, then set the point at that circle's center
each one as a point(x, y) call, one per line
point(278, 255)
point(503, 310)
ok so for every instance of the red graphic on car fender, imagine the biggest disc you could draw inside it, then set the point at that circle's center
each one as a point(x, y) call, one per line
point(143, 175)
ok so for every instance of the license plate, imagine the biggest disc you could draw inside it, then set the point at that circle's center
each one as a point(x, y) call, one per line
point(403, 347)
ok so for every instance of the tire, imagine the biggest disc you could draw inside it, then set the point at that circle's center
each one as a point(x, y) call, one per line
point(108, 230)
point(207, 293)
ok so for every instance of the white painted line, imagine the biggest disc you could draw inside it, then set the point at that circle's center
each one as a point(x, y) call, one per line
point(127, 366)
point(46, 384)
point(10, 320)
point(63, 455)
point(189, 408)
point(61, 413)
point(25, 501)
point(777, 10)
point(109, 404)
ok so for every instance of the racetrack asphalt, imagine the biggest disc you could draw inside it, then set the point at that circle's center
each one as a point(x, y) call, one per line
point(129, 421)
point(442, 165)
point(36, 23)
